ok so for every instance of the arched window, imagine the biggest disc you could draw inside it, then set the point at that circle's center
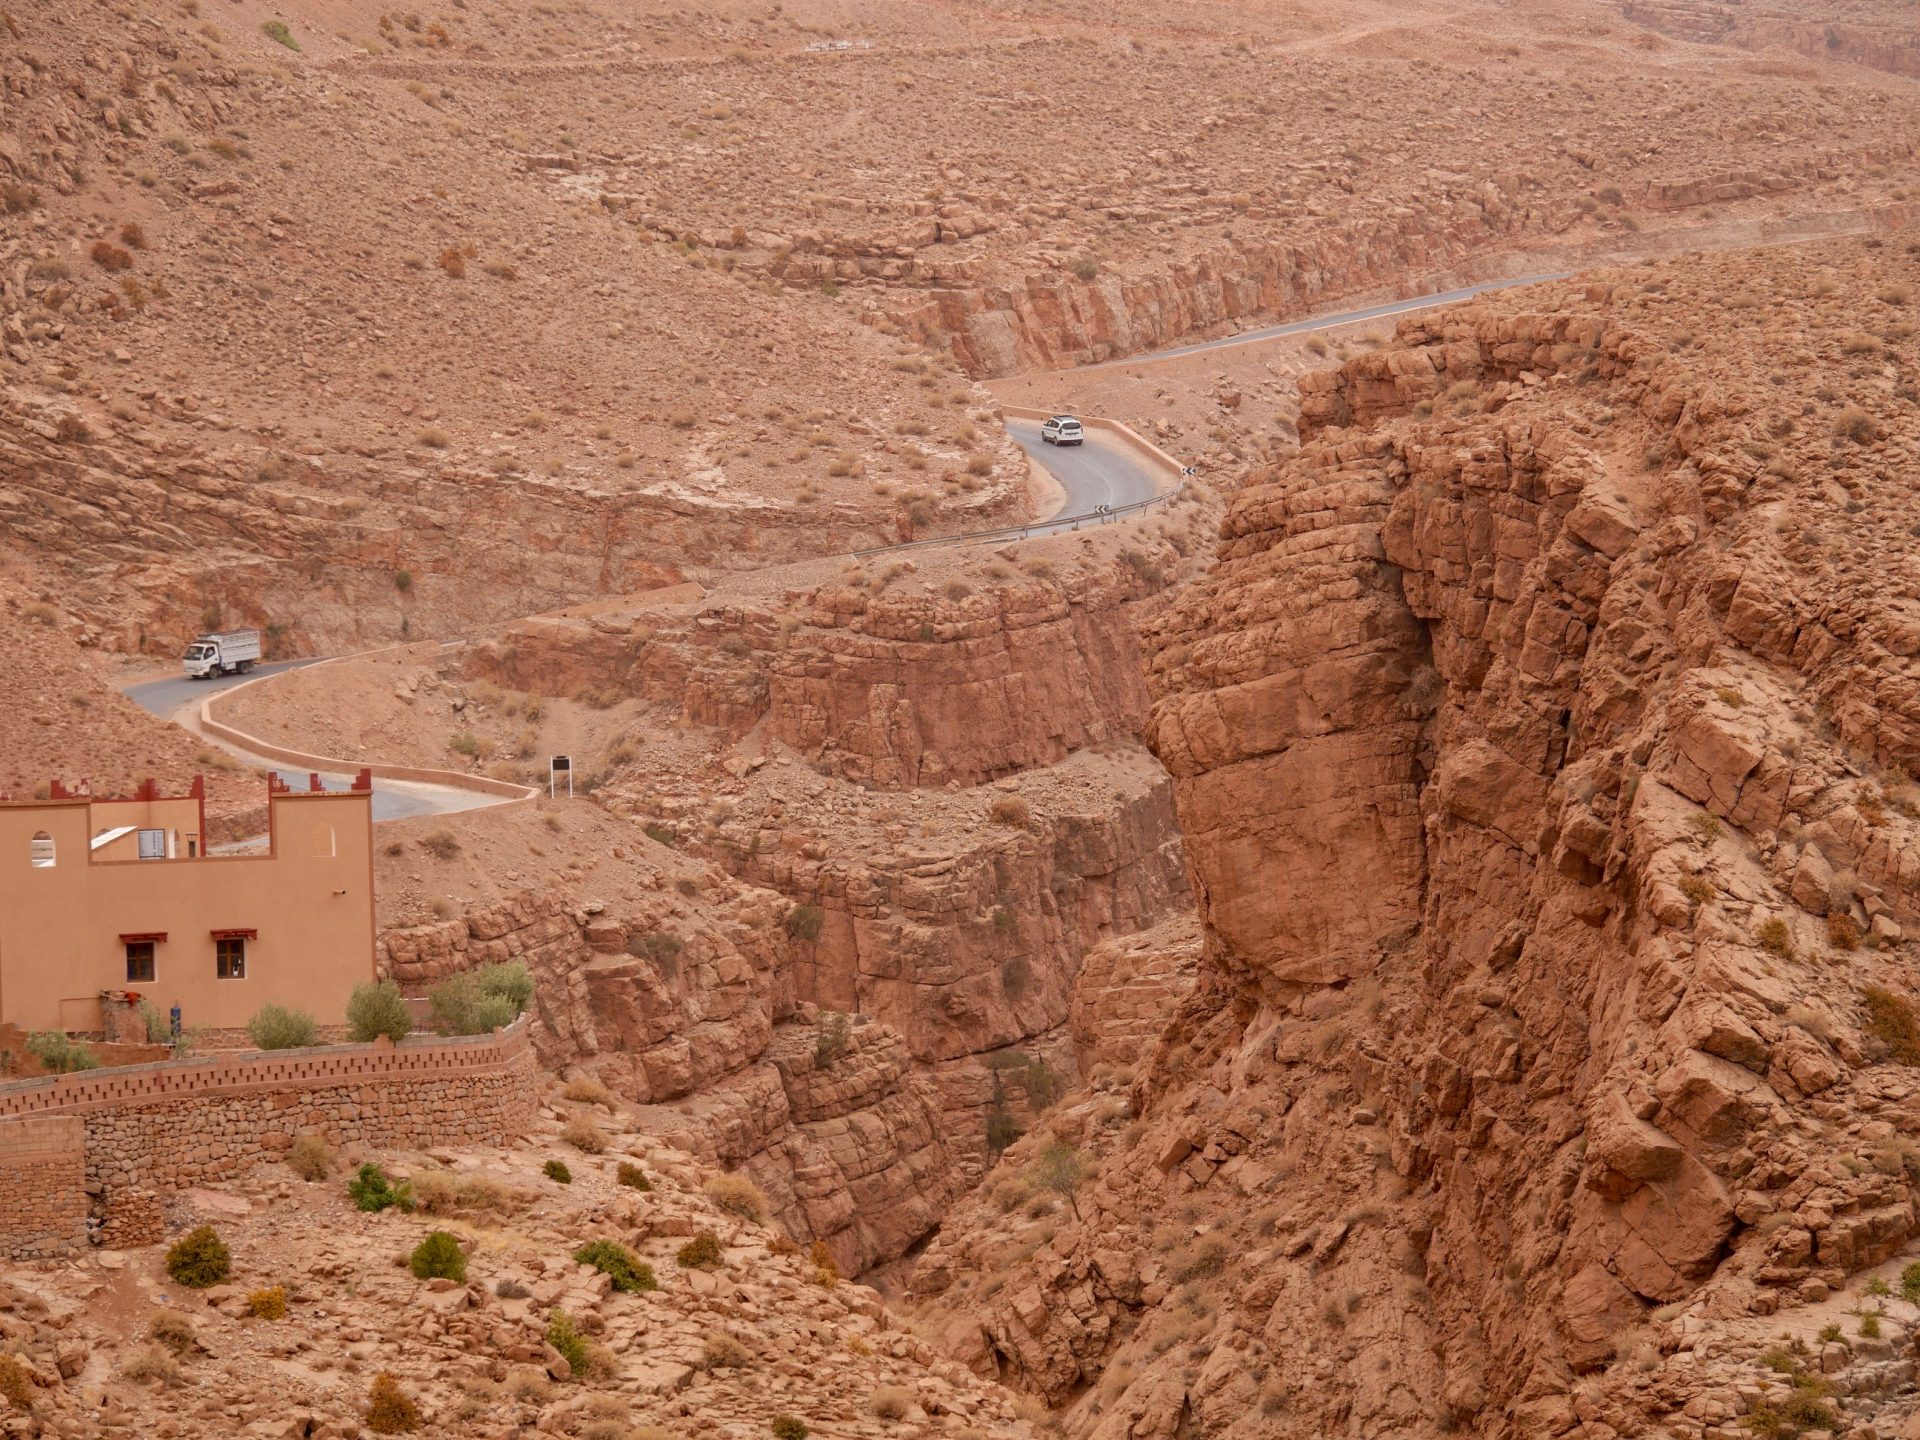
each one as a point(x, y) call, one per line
point(40, 851)
point(323, 839)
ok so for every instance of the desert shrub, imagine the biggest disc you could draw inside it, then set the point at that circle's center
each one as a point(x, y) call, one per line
point(199, 1259)
point(16, 1383)
point(737, 1195)
point(720, 1351)
point(268, 1304)
point(371, 1191)
point(275, 1027)
point(441, 1192)
point(1870, 1326)
point(826, 1270)
point(1697, 889)
point(444, 844)
point(277, 31)
point(788, 1427)
point(390, 1410)
point(782, 1245)
point(109, 256)
point(453, 262)
point(891, 1402)
point(587, 1091)
point(1775, 938)
point(804, 922)
point(1086, 267)
point(507, 1288)
point(60, 1054)
point(632, 1176)
point(702, 1252)
point(1011, 810)
point(150, 1362)
point(1854, 424)
point(563, 1334)
point(310, 1158)
point(1842, 933)
point(480, 1000)
point(630, 1274)
point(378, 1008)
point(1061, 1169)
point(173, 1330)
point(557, 1171)
point(832, 1039)
point(1910, 1282)
point(438, 1257)
point(584, 1136)
point(1892, 1021)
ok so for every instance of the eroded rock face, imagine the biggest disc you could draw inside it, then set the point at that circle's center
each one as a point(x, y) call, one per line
point(683, 1010)
point(1537, 794)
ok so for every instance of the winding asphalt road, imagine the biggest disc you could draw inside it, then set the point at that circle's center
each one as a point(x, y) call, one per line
point(392, 799)
point(1106, 473)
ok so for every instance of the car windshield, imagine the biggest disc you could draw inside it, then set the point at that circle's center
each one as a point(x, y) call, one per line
point(199, 652)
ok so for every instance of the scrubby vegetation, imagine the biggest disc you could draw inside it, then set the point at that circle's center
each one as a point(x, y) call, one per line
point(788, 1427)
point(632, 1176)
point(199, 1259)
point(268, 1304)
point(373, 1192)
point(311, 1158)
point(439, 1257)
point(275, 1027)
point(1892, 1021)
point(376, 1009)
point(563, 1333)
point(702, 1252)
point(390, 1410)
point(805, 922)
point(737, 1195)
point(557, 1171)
point(629, 1273)
point(481, 1000)
point(834, 1037)
point(58, 1053)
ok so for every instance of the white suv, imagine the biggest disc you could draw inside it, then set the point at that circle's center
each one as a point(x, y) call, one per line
point(1062, 430)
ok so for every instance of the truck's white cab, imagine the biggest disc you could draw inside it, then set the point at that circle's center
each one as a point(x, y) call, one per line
point(228, 652)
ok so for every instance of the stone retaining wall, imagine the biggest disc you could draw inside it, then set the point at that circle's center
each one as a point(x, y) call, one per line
point(108, 1134)
point(43, 1199)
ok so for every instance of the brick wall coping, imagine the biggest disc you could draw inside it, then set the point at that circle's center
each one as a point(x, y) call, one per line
point(239, 1072)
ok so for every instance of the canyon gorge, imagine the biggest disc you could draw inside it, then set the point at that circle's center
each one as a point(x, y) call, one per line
point(1410, 935)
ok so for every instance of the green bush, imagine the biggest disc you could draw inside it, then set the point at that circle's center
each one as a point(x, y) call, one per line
point(373, 1192)
point(629, 1273)
point(378, 1008)
point(275, 1027)
point(563, 1333)
point(199, 1259)
point(804, 922)
point(557, 1170)
point(788, 1427)
point(1891, 1019)
point(702, 1252)
point(481, 1000)
point(277, 31)
point(1910, 1282)
point(59, 1052)
point(439, 1257)
point(633, 1176)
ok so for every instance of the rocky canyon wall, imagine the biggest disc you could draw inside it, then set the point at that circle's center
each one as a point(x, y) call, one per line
point(1544, 769)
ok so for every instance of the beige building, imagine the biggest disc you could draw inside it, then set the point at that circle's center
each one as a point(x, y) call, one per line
point(115, 895)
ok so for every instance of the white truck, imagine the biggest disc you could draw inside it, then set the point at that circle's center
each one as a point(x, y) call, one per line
point(223, 652)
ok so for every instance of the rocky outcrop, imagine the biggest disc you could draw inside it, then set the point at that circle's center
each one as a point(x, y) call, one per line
point(1539, 802)
point(671, 1003)
point(1858, 40)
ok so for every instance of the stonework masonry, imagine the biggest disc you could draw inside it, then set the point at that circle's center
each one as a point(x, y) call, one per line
point(124, 1137)
point(43, 1201)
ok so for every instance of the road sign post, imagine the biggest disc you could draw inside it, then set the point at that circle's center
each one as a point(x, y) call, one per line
point(557, 766)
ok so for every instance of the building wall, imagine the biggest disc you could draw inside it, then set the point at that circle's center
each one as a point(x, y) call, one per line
point(309, 900)
point(132, 1136)
point(43, 1198)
